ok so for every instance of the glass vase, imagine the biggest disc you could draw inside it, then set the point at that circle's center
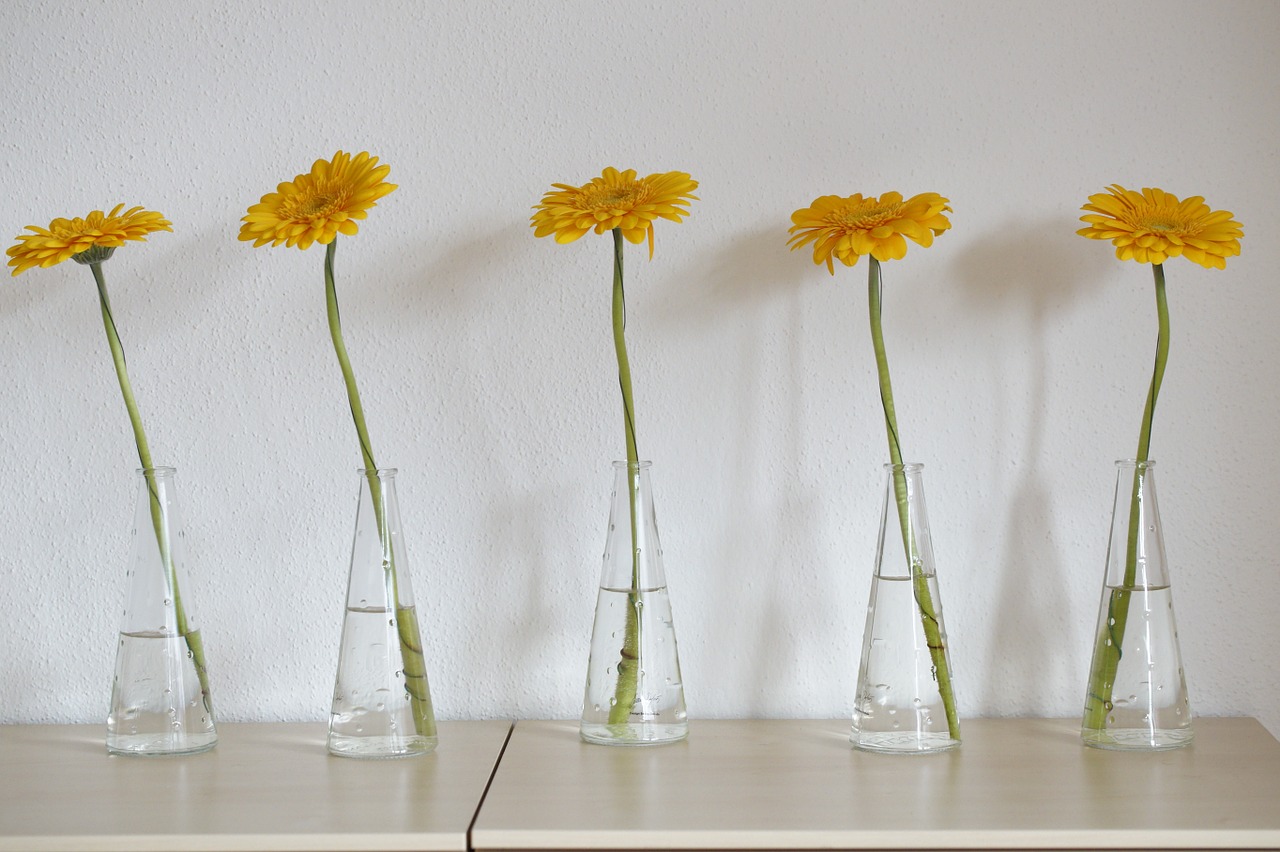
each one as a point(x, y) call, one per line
point(634, 695)
point(381, 698)
point(160, 700)
point(1136, 698)
point(905, 702)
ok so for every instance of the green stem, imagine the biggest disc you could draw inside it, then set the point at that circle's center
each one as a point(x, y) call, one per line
point(415, 669)
point(1108, 651)
point(158, 521)
point(629, 662)
point(919, 581)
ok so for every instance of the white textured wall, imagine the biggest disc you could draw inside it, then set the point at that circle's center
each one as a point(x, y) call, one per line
point(1021, 353)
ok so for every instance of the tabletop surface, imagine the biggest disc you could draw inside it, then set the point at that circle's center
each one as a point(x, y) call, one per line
point(1015, 783)
point(265, 786)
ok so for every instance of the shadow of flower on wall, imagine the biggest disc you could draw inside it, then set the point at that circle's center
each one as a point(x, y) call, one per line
point(1025, 277)
point(776, 533)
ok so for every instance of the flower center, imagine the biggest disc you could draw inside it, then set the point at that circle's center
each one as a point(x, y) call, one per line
point(866, 218)
point(74, 228)
point(610, 197)
point(318, 205)
point(1164, 220)
point(314, 205)
point(1165, 224)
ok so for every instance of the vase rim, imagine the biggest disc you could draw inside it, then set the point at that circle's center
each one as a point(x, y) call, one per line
point(1135, 463)
point(642, 464)
point(906, 467)
point(380, 472)
point(157, 470)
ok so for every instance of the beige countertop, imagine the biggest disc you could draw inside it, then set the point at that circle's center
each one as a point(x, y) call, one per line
point(1014, 784)
point(265, 787)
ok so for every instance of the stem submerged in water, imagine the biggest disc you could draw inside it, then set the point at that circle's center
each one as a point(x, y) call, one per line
point(920, 583)
point(1107, 653)
point(415, 669)
point(629, 654)
point(159, 522)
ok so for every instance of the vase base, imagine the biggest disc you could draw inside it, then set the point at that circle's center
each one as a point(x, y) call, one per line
point(634, 733)
point(903, 742)
point(160, 744)
point(1137, 739)
point(376, 748)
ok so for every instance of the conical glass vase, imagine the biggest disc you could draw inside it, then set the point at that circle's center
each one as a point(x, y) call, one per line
point(634, 695)
point(381, 698)
point(160, 700)
point(905, 701)
point(1136, 698)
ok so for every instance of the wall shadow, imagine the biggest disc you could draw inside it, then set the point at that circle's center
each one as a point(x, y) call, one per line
point(763, 565)
point(1031, 272)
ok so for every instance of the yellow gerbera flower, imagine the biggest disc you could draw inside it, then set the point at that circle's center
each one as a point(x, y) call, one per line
point(847, 228)
point(66, 238)
point(1153, 225)
point(316, 207)
point(614, 200)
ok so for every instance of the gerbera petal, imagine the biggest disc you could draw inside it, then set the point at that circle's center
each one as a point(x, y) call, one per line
point(65, 238)
point(1153, 226)
point(615, 200)
point(857, 225)
point(317, 206)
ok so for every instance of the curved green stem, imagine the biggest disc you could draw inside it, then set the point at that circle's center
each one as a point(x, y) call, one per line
point(629, 655)
point(1108, 651)
point(919, 581)
point(158, 521)
point(415, 669)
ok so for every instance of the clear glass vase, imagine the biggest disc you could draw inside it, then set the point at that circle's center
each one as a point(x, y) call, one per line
point(634, 695)
point(905, 701)
point(160, 700)
point(381, 698)
point(1136, 698)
